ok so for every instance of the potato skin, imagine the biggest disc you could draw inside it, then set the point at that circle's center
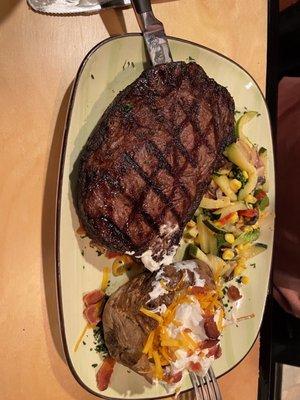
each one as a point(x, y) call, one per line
point(126, 329)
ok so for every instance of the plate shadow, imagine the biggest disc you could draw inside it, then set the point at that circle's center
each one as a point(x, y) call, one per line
point(48, 225)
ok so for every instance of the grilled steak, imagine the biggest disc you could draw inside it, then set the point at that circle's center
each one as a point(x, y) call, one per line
point(126, 328)
point(150, 159)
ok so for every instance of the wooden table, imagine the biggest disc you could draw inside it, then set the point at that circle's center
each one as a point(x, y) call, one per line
point(39, 58)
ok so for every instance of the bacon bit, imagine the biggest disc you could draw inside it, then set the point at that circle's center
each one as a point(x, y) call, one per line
point(174, 378)
point(215, 352)
point(207, 344)
point(187, 330)
point(233, 293)
point(93, 297)
point(104, 374)
point(224, 220)
point(198, 290)
point(92, 314)
point(194, 366)
point(81, 231)
point(211, 328)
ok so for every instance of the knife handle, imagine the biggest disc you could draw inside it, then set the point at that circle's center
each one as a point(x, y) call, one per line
point(141, 6)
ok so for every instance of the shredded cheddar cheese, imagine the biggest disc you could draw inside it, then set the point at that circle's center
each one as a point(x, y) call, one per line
point(220, 320)
point(158, 366)
point(160, 347)
point(188, 341)
point(166, 355)
point(79, 340)
point(151, 314)
point(170, 342)
point(149, 343)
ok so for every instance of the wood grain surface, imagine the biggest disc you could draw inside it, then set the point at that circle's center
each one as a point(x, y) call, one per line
point(38, 60)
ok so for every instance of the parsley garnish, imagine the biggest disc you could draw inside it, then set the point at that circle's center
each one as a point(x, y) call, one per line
point(94, 365)
point(100, 346)
point(190, 59)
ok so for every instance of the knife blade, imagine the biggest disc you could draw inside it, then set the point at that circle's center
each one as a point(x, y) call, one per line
point(153, 32)
point(67, 7)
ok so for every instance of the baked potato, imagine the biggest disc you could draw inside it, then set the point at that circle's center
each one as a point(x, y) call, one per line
point(136, 316)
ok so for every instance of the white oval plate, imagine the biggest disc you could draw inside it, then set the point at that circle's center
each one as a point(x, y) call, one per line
point(107, 69)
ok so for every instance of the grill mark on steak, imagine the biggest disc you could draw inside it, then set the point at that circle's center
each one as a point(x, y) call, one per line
point(151, 156)
point(117, 231)
point(115, 184)
point(174, 133)
point(154, 224)
point(151, 222)
point(150, 183)
point(180, 146)
point(163, 162)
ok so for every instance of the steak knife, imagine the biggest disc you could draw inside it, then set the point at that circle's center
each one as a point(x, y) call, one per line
point(153, 32)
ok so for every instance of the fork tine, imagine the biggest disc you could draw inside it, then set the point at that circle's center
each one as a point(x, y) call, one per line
point(194, 380)
point(209, 388)
point(215, 384)
point(202, 386)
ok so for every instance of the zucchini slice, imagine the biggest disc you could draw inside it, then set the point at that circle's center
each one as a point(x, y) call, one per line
point(237, 206)
point(203, 237)
point(213, 248)
point(254, 250)
point(219, 266)
point(223, 182)
point(212, 227)
point(249, 186)
point(212, 204)
point(242, 121)
point(193, 231)
point(235, 154)
point(195, 252)
point(247, 237)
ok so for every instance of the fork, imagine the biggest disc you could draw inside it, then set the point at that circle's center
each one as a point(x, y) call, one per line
point(206, 388)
